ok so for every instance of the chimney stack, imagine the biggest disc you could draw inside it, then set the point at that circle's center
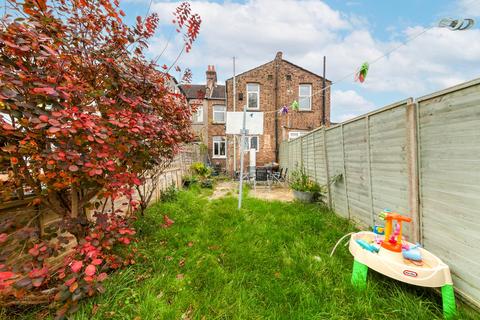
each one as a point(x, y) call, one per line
point(211, 79)
point(279, 55)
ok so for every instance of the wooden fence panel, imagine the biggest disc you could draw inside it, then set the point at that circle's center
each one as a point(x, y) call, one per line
point(336, 168)
point(309, 155)
point(388, 139)
point(319, 163)
point(355, 146)
point(449, 131)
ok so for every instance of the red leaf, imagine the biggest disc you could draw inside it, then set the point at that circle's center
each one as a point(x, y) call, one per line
point(97, 261)
point(43, 118)
point(137, 181)
point(102, 276)
point(69, 282)
point(76, 266)
point(37, 282)
point(3, 237)
point(45, 90)
point(34, 251)
point(88, 278)
point(73, 168)
point(168, 221)
point(13, 160)
point(6, 126)
point(90, 270)
point(6, 275)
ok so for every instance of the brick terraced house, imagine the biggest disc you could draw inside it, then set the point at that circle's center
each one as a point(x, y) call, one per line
point(265, 88)
point(209, 120)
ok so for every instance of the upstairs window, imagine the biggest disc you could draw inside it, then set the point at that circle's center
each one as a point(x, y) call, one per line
point(253, 96)
point(198, 115)
point(305, 97)
point(219, 114)
point(219, 147)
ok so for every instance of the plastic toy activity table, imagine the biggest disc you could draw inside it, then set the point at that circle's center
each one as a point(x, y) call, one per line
point(384, 254)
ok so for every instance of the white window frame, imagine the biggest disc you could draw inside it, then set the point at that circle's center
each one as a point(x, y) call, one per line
point(198, 115)
point(258, 96)
point(217, 140)
point(224, 111)
point(296, 134)
point(301, 97)
point(248, 143)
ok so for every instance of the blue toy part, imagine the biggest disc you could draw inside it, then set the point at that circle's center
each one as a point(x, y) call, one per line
point(413, 253)
point(380, 230)
point(365, 245)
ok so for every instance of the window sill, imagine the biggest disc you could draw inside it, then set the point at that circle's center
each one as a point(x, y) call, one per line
point(219, 157)
point(218, 122)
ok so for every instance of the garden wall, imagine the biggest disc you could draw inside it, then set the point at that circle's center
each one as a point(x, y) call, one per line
point(418, 157)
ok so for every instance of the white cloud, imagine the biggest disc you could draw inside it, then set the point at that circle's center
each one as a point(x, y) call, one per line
point(347, 104)
point(469, 7)
point(306, 30)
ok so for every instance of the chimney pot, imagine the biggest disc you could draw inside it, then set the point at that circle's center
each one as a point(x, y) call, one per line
point(279, 55)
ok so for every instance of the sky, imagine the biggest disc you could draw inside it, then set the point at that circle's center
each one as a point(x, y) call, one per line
point(347, 32)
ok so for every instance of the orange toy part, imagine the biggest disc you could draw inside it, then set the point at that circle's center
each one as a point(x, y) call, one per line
point(395, 246)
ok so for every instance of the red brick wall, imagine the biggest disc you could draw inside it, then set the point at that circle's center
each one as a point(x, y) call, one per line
point(214, 129)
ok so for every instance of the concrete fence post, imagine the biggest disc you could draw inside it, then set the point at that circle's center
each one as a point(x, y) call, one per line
point(412, 169)
point(327, 171)
point(369, 168)
point(347, 204)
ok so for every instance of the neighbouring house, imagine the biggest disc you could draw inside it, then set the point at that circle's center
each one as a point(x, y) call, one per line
point(208, 121)
point(267, 88)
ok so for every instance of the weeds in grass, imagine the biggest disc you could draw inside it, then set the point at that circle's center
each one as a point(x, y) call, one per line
point(269, 260)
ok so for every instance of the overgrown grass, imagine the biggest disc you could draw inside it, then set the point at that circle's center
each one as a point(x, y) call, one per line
point(268, 261)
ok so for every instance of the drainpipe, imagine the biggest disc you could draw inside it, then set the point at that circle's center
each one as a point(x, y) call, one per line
point(324, 93)
point(277, 62)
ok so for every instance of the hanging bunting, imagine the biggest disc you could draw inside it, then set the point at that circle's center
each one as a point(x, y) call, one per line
point(295, 105)
point(284, 110)
point(362, 72)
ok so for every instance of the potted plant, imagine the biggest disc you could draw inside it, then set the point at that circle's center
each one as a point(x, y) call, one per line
point(304, 188)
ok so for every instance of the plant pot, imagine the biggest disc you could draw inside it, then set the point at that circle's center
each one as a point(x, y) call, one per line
point(303, 196)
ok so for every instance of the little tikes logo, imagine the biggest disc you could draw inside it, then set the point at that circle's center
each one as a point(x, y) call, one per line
point(410, 273)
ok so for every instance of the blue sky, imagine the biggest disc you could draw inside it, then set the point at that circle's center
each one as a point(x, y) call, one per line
point(347, 32)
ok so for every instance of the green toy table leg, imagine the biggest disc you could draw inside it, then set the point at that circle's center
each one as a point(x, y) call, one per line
point(359, 275)
point(448, 299)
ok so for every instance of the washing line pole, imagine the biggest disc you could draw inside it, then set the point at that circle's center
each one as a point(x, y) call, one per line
point(234, 109)
point(242, 149)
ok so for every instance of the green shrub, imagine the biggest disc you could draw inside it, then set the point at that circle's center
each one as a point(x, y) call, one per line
point(200, 169)
point(190, 180)
point(207, 183)
point(170, 194)
point(300, 181)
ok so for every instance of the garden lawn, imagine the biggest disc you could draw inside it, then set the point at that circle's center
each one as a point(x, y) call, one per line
point(268, 261)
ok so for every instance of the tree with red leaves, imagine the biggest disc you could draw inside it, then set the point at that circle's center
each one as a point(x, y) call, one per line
point(83, 113)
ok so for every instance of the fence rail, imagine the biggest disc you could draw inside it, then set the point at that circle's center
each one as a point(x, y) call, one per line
point(419, 157)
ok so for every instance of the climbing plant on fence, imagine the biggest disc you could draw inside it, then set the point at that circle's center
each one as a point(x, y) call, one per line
point(83, 114)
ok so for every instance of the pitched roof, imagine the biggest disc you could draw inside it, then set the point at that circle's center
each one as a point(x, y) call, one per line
point(197, 91)
point(293, 64)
